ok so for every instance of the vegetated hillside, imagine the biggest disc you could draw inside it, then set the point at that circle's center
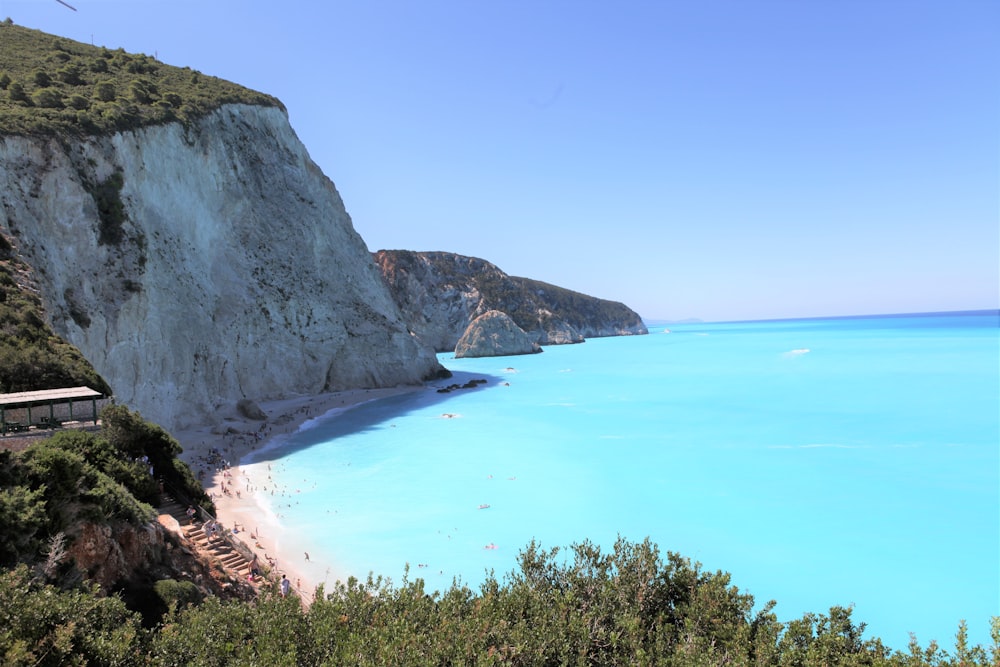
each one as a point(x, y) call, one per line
point(55, 86)
point(592, 317)
point(32, 356)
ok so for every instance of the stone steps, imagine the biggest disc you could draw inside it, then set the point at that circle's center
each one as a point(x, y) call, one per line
point(218, 550)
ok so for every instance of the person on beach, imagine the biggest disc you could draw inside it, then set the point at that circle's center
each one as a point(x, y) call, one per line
point(286, 586)
point(254, 568)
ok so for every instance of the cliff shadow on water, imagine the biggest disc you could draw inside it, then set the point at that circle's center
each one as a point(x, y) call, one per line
point(372, 415)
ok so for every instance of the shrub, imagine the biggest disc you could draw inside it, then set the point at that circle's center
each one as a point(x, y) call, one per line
point(70, 75)
point(173, 99)
point(141, 91)
point(79, 102)
point(16, 92)
point(41, 78)
point(110, 208)
point(105, 91)
point(47, 98)
point(42, 625)
point(177, 593)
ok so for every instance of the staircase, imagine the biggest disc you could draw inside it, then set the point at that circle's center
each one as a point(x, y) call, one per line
point(218, 549)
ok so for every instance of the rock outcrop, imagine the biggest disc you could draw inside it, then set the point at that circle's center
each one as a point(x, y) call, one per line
point(196, 265)
point(494, 334)
point(441, 293)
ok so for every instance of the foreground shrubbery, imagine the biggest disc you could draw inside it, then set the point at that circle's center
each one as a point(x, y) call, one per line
point(627, 607)
point(76, 476)
point(632, 606)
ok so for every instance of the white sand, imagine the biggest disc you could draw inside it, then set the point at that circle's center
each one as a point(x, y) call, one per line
point(234, 437)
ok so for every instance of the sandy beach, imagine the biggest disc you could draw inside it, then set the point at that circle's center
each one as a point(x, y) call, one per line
point(215, 452)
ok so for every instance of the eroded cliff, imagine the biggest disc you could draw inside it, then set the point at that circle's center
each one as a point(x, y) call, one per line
point(440, 294)
point(198, 264)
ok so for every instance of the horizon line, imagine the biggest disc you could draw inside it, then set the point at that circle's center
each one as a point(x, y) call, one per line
point(930, 313)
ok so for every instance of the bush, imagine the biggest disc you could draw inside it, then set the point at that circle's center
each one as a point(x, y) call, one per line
point(105, 91)
point(41, 78)
point(178, 594)
point(42, 625)
point(173, 99)
point(47, 98)
point(110, 208)
point(141, 91)
point(79, 102)
point(15, 91)
point(70, 75)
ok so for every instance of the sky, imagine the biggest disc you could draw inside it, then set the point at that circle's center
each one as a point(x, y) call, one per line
point(711, 159)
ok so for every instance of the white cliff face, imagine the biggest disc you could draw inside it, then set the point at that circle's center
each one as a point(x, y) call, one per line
point(494, 334)
point(236, 272)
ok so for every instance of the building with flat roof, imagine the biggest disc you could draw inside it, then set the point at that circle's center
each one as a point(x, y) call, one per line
point(50, 406)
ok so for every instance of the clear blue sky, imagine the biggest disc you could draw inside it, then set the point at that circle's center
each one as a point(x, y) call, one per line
point(719, 159)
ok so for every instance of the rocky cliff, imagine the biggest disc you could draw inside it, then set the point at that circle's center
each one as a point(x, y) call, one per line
point(197, 264)
point(440, 294)
point(494, 334)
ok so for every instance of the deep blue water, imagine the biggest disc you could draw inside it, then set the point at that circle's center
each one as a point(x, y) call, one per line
point(840, 461)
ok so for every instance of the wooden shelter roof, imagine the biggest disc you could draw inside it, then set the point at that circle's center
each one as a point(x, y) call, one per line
point(46, 396)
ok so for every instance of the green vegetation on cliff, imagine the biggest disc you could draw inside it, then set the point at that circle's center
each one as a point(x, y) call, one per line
point(32, 356)
point(54, 86)
point(78, 476)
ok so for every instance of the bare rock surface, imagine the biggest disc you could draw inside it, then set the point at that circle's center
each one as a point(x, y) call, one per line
point(198, 265)
point(494, 334)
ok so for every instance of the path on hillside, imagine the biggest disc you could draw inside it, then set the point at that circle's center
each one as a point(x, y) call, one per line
point(218, 550)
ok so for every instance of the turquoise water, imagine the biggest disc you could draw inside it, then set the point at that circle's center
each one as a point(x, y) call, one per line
point(821, 462)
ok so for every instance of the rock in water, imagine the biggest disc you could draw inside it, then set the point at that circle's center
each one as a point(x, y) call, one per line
point(494, 334)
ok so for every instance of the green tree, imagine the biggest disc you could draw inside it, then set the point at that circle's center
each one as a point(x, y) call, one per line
point(133, 438)
point(22, 513)
point(41, 625)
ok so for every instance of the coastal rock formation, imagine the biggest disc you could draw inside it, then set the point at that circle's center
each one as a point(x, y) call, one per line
point(441, 293)
point(198, 264)
point(494, 334)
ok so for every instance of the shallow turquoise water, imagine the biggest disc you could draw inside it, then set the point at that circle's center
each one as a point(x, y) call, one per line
point(821, 462)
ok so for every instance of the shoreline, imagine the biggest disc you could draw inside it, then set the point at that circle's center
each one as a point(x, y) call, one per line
point(217, 454)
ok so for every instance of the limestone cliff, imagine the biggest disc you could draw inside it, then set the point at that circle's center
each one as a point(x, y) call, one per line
point(201, 263)
point(441, 293)
point(494, 334)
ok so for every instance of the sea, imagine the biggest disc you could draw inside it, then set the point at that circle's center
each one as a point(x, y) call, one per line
point(843, 461)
